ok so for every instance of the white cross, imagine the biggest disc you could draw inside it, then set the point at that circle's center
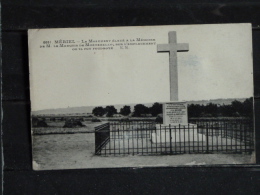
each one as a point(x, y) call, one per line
point(173, 47)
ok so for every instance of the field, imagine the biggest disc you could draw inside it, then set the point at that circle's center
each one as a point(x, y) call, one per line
point(75, 151)
point(69, 148)
point(57, 128)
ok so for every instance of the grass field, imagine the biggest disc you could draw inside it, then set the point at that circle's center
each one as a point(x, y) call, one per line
point(57, 128)
point(73, 148)
point(76, 151)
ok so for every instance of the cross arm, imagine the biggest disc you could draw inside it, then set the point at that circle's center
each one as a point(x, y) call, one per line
point(163, 47)
point(183, 47)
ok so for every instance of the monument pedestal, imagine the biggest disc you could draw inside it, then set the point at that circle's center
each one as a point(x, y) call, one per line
point(175, 126)
point(177, 133)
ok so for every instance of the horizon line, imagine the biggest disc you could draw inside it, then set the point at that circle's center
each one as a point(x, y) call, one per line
point(136, 103)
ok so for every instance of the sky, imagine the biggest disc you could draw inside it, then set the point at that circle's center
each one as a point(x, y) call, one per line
point(217, 65)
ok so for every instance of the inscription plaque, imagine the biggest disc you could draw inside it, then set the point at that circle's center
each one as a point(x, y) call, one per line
point(175, 113)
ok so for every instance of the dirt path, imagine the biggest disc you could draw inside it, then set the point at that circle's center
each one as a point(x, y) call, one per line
point(74, 151)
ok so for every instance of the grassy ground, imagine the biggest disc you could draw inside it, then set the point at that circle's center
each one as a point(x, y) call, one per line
point(73, 148)
point(75, 151)
point(57, 128)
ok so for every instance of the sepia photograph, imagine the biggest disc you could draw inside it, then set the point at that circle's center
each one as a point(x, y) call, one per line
point(142, 96)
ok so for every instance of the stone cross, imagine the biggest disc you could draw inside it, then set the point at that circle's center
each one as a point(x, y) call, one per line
point(173, 47)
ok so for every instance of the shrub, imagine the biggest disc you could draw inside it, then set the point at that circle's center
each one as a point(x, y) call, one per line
point(73, 124)
point(38, 123)
point(159, 119)
point(95, 120)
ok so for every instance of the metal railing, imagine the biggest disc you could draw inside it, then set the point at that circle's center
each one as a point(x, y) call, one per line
point(102, 137)
point(147, 138)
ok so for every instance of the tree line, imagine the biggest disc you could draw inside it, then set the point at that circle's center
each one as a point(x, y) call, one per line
point(235, 109)
point(138, 111)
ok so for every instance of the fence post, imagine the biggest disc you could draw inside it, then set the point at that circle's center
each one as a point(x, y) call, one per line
point(170, 129)
point(96, 142)
point(207, 138)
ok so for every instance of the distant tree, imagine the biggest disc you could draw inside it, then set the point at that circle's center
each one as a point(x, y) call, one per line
point(156, 109)
point(237, 107)
point(248, 107)
point(226, 110)
point(110, 110)
point(195, 110)
point(211, 110)
point(99, 111)
point(126, 110)
point(140, 109)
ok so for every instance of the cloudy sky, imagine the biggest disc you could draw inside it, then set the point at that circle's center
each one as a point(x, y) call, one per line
point(217, 65)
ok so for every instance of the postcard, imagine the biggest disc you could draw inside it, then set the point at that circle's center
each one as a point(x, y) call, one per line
point(142, 96)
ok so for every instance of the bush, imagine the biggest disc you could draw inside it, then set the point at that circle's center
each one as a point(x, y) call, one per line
point(159, 119)
point(38, 123)
point(95, 120)
point(35, 121)
point(73, 124)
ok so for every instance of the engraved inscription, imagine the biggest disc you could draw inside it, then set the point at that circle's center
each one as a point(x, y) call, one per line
point(175, 113)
